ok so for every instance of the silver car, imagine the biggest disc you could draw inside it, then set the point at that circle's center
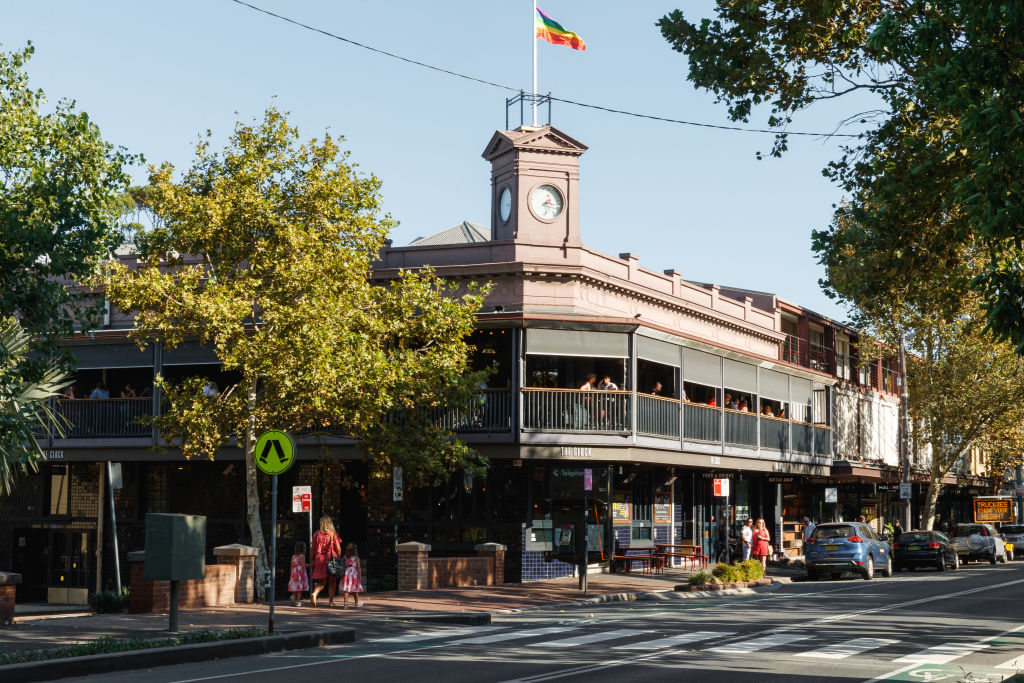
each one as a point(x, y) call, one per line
point(1014, 535)
point(978, 542)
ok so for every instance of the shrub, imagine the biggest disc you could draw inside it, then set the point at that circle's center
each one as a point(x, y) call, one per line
point(752, 570)
point(727, 573)
point(382, 583)
point(700, 578)
point(111, 601)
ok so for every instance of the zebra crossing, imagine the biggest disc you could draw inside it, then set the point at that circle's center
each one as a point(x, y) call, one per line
point(565, 637)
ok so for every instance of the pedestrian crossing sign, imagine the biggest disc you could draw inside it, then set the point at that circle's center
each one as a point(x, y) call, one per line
point(275, 452)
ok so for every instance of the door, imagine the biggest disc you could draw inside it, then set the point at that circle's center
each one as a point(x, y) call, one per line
point(31, 559)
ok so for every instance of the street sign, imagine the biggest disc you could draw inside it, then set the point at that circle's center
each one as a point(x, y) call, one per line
point(721, 488)
point(588, 479)
point(993, 510)
point(397, 479)
point(831, 495)
point(905, 490)
point(115, 475)
point(302, 499)
point(275, 452)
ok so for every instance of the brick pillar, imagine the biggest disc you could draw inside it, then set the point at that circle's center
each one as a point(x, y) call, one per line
point(496, 552)
point(243, 557)
point(412, 566)
point(8, 584)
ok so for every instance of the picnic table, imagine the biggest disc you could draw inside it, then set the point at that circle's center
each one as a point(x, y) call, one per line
point(648, 558)
point(690, 554)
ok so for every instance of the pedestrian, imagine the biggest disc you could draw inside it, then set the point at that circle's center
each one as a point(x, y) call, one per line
point(298, 579)
point(326, 546)
point(761, 540)
point(897, 530)
point(352, 582)
point(100, 391)
point(747, 534)
point(808, 529)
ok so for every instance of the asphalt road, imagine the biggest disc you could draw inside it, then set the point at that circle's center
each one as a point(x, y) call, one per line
point(924, 626)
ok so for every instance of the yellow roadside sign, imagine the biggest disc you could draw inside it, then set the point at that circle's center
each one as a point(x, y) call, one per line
point(275, 452)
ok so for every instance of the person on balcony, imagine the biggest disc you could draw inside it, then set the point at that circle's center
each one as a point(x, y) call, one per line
point(656, 389)
point(590, 384)
point(128, 391)
point(767, 410)
point(606, 384)
point(728, 402)
point(744, 406)
point(70, 392)
point(100, 391)
point(210, 389)
point(712, 402)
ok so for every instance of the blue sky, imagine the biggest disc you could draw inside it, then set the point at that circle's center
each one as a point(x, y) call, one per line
point(155, 75)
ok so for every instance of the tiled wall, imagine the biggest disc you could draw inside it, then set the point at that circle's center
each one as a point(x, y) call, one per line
point(535, 568)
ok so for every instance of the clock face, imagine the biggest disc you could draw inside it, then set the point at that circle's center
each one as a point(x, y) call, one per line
point(505, 205)
point(546, 201)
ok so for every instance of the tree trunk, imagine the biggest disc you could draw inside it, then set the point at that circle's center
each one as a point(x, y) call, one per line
point(931, 498)
point(252, 491)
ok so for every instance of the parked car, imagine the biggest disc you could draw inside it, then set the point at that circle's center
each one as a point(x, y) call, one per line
point(839, 547)
point(915, 549)
point(979, 542)
point(1013, 534)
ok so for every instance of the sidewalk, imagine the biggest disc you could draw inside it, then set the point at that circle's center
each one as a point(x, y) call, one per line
point(44, 629)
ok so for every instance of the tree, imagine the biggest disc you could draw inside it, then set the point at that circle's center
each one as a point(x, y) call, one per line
point(933, 180)
point(59, 189)
point(23, 404)
point(265, 252)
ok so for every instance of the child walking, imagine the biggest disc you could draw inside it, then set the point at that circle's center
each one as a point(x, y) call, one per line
point(298, 580)
point(352, 582)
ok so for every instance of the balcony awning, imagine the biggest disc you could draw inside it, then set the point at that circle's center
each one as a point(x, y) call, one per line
point(101, 356)
point(657, 351)
point(741, 376)
point(774, 385)
point(801, 389)
point(545, 342)
point(190, 353)
point(702, 368)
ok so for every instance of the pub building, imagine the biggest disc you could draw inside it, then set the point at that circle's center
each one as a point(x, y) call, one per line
point(655, 445)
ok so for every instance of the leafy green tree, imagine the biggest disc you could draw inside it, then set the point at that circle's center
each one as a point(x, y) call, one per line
point(265, 252)
point(23, 404)
point(59, 188)
point(933, 181)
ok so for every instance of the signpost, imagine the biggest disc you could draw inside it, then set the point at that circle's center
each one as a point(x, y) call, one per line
point(274, 455)
point(397, 486)
point(302, 501)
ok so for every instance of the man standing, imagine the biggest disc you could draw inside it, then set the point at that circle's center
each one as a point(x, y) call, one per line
point(808, 528)
point(747, 534)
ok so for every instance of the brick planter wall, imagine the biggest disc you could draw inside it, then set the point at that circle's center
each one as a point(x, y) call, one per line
point(8, 584)
point(459, 571)
point(413, 568)
point(216, 589)
point(416, 570)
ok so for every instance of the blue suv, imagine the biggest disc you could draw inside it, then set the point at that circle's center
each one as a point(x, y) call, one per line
point(846, 546)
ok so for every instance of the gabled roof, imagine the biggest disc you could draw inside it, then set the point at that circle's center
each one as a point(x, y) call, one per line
point(463, 233)
point(544, 138)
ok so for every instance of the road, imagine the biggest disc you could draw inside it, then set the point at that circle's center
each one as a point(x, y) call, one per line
point(922, 626)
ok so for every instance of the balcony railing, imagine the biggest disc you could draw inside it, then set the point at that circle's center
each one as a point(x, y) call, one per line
point(890, 380)
point(740, 428)
point(490, 411)
point(657, 416)
point(807, 354)
point(568, 410)
point(803, 434)
point(774, 433)
point(822, 440)
point(105, 417)
point(702, 423)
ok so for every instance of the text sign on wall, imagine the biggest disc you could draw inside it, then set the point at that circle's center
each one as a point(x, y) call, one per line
point(302, 498)
point(721, 488)
point(831, 495)
point(620, 508)
point(994, 510)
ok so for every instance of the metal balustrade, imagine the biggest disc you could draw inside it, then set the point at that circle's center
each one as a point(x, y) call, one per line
point(105, 417)
point(803, 433)
point(740, 428)
point(657, 416)
point(702, 423)
point(774, 433)
point(490, 411)
point(822, 440)
point(569, 410)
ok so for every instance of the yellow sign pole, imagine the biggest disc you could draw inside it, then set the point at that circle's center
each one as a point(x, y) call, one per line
point(274, 455)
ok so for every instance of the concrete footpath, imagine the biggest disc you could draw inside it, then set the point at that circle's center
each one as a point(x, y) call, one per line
point(42, 628)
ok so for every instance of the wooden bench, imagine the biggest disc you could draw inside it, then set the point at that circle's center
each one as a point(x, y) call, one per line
point(690, 553)
point(647, 557)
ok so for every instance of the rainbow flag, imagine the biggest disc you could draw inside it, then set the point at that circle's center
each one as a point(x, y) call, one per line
point(551, 31)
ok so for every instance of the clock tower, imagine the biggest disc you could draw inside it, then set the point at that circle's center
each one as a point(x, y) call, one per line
point(534, 186)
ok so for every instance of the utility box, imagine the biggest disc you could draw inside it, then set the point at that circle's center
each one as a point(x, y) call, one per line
point(175, 547)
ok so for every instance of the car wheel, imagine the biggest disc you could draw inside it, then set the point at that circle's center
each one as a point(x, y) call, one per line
point(888, 567)
point(813, 575)
point(834, 575)
point(941, 565)
point(956, 562)
point(869, 569)
point(993, 559)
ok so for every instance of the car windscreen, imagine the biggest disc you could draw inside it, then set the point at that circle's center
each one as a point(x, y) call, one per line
point(968, 529)
point(1013, 529)
point(911, 537)
point(833, 532)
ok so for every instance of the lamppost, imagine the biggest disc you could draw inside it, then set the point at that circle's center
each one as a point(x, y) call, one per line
point(904, 430)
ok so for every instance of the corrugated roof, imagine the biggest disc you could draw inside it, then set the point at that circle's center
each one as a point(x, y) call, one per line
point(463, 233)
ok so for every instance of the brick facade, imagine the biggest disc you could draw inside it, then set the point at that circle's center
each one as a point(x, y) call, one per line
point(416, 570)
point(6, 605)
point(216, 589)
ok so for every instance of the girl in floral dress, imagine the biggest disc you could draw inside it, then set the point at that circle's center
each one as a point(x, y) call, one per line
point(298, 580)
point(352, 582)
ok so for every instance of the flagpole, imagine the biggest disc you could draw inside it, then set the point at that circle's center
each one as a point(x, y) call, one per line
point(533, 36)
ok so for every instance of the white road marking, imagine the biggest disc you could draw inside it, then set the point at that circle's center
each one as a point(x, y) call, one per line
point(1015, 663)
point(598, 637)
point(516, 635)
point(941, 654)
point(672, 641)
point(745, 647)
point(908, 667)
point(449, 633)
point(848, 648)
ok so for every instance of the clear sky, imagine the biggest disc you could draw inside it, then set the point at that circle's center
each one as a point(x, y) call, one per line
point(155, 75)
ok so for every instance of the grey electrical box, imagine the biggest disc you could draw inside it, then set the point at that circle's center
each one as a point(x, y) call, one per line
point(175, 547)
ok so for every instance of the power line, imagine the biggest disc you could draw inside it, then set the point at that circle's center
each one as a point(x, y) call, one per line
point(502, 86)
